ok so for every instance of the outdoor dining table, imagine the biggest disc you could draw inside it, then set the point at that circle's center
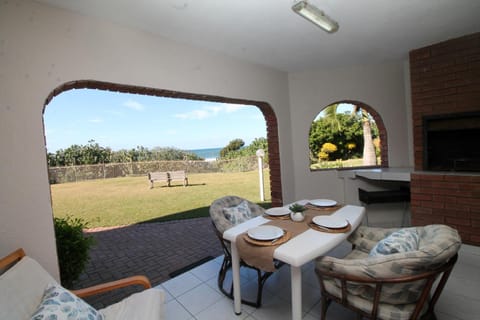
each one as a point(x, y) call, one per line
point(296, 252)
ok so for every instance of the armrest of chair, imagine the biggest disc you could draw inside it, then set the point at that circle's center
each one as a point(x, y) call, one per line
point(113, 285)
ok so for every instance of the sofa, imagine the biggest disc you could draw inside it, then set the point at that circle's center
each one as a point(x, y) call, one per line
point(28, 291)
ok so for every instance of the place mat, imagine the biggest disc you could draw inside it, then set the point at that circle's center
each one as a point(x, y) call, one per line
point(285, 217)
point(287, 235)
point(329, 230)
point(323, 209)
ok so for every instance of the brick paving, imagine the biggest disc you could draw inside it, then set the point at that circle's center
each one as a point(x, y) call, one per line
point(152, 249)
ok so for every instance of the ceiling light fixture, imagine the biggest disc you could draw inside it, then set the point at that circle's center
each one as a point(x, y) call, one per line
point(316, 16)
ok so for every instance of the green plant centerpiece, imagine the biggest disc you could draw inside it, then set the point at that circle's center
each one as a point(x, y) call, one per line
point(297, 212)
point(72, 248)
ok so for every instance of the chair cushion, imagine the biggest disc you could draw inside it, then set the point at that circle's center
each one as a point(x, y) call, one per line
point(238, 214)
point(403, 240)
point(25, 281)
point(60, 304)
point(402, 311)
point(437, 244)
point(144, 305)
point(218, 215)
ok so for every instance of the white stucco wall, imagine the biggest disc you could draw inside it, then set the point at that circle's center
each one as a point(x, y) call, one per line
point(379, 86)
point(42, 47)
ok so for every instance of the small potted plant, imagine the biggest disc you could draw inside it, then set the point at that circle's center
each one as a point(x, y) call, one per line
point(296, 213)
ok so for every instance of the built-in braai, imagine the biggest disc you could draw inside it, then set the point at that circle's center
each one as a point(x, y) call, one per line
point(452, 142)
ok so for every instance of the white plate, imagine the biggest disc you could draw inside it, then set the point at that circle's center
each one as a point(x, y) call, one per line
point(301, 202)
point(265, 233)
point(278, 211)
point(330, 222)
point(323, 202)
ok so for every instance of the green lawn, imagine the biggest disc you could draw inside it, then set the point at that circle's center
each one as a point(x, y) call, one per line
point(124, 201)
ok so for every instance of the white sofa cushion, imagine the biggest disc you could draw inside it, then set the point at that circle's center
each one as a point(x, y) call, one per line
point(23, 285)
point(21, 289)
point(133, 307)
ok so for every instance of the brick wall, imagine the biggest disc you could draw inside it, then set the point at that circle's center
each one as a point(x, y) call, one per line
point(447, 199)
point(445, 79)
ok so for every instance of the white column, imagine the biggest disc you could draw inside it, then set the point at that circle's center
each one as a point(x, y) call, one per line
point(260, 154)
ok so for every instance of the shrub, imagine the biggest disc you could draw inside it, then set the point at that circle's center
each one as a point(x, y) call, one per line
point(72, 248)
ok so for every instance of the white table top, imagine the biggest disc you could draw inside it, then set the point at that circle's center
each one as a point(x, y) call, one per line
point(307, 245)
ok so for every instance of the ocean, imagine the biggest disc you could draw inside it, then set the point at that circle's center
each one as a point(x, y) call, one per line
point(209, 154)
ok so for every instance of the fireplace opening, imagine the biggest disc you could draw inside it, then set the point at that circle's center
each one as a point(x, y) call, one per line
point(452, 142)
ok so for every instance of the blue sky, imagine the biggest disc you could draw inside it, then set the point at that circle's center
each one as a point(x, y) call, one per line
point(124, 121)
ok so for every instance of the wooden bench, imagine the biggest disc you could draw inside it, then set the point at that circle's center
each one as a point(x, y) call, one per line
point(178, 176)
point(168, 177)
point(158, 176)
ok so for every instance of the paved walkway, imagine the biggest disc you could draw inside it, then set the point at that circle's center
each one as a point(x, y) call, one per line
point(151, 249)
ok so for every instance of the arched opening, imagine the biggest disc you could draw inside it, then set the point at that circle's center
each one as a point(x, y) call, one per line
point(265, 108)
point(347, 134)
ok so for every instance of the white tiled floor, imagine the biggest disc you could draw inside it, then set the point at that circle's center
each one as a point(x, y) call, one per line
point(195, 295)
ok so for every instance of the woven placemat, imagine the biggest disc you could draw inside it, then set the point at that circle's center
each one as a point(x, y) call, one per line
point(284, 217)
point(330, 230)
point(269, 243)
point(332, 208)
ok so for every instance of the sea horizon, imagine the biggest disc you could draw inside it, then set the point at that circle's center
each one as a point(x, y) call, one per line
point(207, 153)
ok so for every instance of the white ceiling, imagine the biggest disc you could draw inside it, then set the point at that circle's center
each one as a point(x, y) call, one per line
point(268, 32)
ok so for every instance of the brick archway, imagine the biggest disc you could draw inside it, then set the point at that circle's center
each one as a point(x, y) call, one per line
point(382, 131)
point(265, 108)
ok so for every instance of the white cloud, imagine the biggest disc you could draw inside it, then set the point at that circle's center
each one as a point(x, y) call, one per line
point(95, 120)
point(229, 108)
point(134, 105)
point(209, 111)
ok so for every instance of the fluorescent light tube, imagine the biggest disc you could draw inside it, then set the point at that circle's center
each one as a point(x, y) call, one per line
point(316, 16)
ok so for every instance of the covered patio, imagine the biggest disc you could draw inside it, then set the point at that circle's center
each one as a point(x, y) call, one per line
point(194, 294)
point(412, 63)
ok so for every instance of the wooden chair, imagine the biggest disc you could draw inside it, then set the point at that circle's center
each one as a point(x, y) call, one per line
point(396, 286)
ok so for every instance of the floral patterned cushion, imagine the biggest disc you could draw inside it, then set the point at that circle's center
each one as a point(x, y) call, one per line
point(238, 214)
point(403, 240)
point(58, 304)
point(218, 215)
point(436, 244)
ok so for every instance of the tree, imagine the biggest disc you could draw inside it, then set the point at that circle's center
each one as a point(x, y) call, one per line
point(232, 146)
point(348, 140)
point(93, 153)
point(369, 157)
point(331, 117)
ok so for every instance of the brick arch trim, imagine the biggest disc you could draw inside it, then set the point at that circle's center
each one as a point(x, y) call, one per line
point(382, 131)
point(265, 108)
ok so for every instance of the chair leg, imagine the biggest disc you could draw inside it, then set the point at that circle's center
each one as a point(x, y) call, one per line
point(325, 304)
point(226, 264)
point(262, 278)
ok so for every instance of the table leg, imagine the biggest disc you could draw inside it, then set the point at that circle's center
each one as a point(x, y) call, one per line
point(237, 297)
point(296, 278)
